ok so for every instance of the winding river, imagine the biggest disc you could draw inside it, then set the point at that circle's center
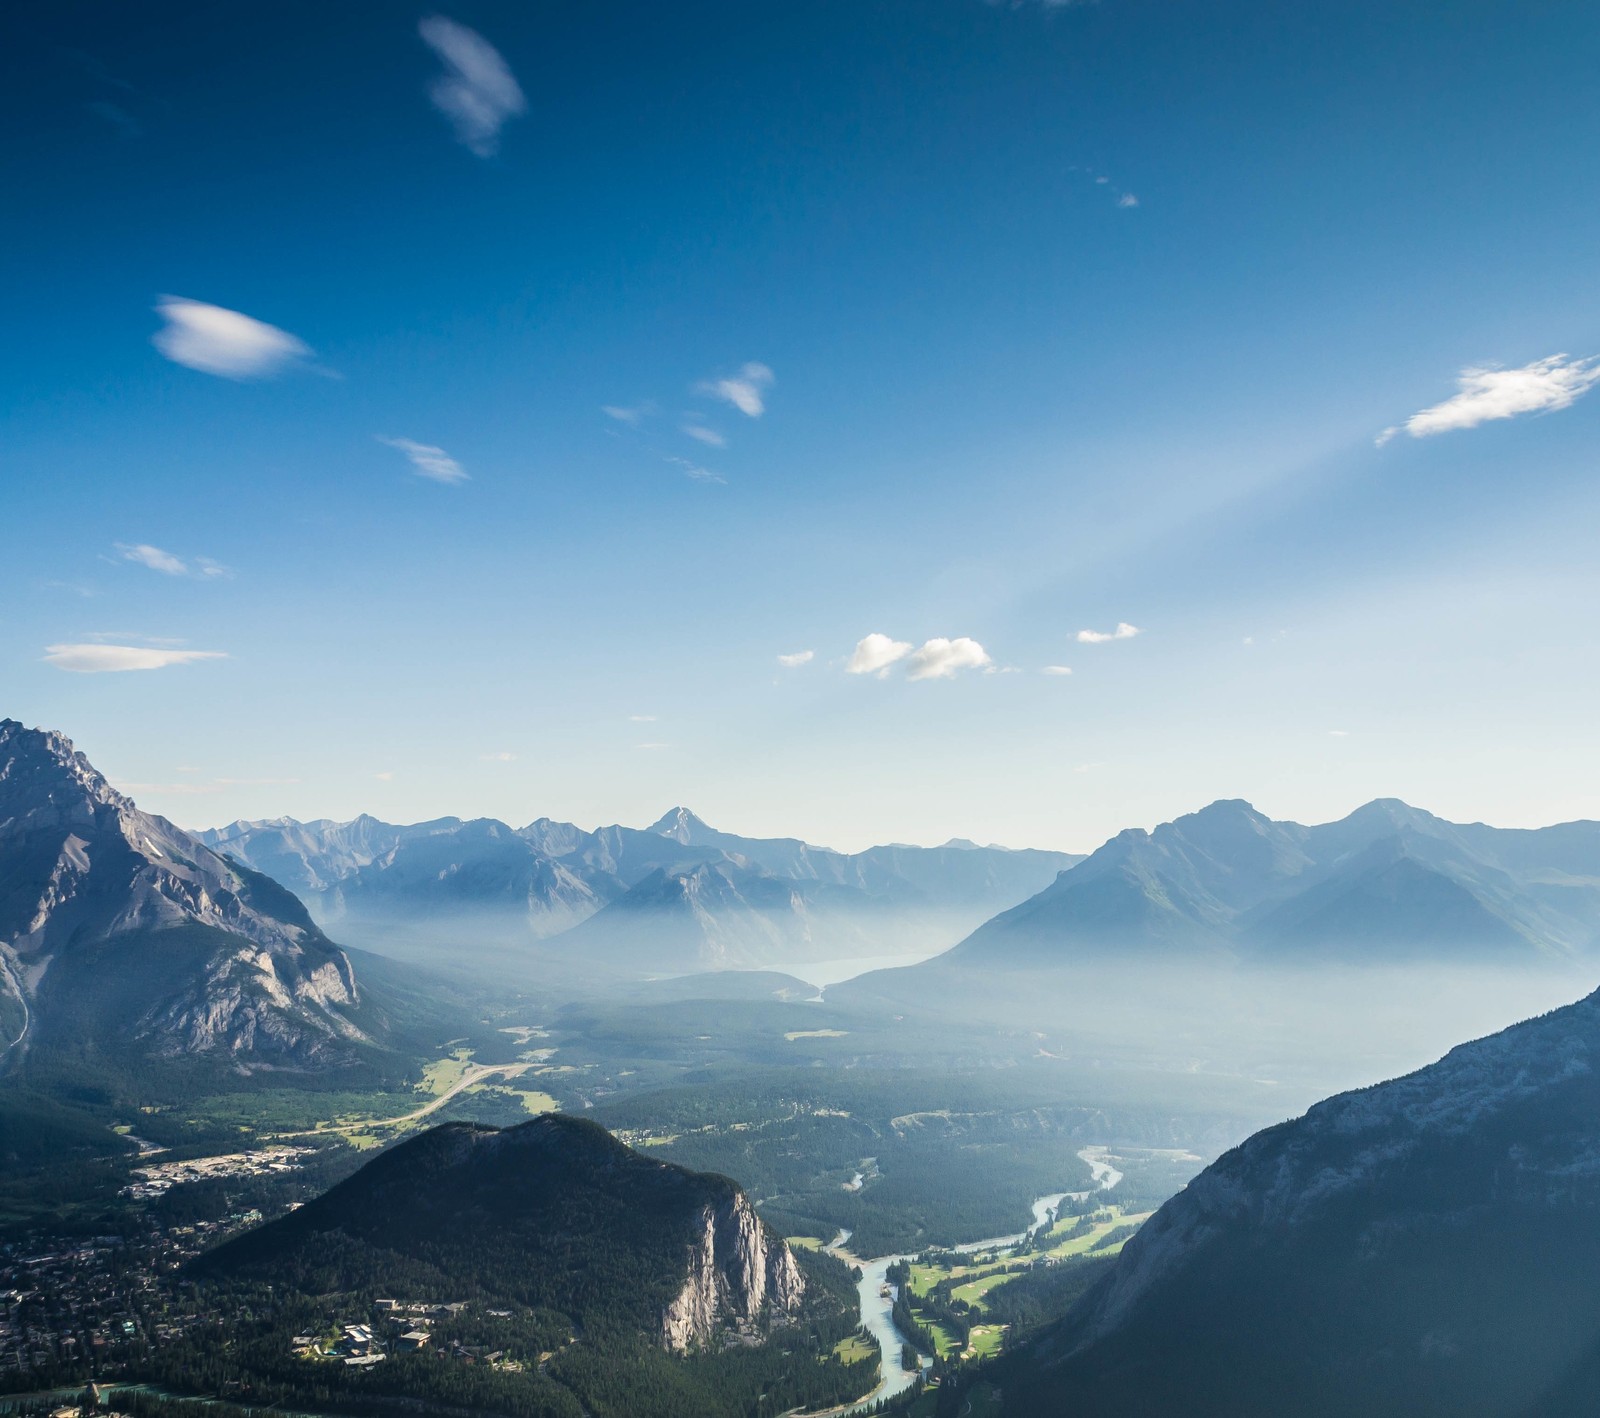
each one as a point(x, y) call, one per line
point(877, 1308)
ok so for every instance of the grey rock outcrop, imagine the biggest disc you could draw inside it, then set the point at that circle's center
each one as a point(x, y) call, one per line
point(739, 1279)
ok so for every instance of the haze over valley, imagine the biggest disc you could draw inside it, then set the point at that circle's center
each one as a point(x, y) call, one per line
point(810, 710)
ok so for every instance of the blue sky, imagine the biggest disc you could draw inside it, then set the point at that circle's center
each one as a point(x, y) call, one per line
point(997, 323)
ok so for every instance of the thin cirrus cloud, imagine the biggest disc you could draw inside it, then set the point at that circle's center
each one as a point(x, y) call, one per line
point(111, 659)
point(199, 568)
point(477, 92)
point(708, 436)
point(746, 390)
point(695, 471)
point(1124, 631)
point(223, 342)
point(794, 661)
point(1056, 670)
point(1484, 395)
point(427, 461)
point(941, 658)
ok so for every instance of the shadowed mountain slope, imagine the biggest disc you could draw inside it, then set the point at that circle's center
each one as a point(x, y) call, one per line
point(554, 1214)
point(1427, 1246)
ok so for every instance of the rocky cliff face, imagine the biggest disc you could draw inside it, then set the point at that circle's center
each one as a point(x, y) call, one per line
point(739, 1279)
point(115, 919)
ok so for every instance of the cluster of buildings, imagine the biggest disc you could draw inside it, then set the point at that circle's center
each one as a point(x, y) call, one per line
point(401, 1327)
point(160, 1177)
point(68, 1305)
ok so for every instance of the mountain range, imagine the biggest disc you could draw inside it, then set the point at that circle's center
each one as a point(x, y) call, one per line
point(119, 930)
point(677, 896)
point(1389, 883)
point(1427, 1246)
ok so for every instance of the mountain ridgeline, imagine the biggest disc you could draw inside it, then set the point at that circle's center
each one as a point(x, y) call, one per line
point(1387, 884)
point(677, 896)
point(119, 930)
point(1422, 1248)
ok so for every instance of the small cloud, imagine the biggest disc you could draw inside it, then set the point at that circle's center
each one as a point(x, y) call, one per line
point(108, 659)
point(428, 461)
point(875, 653)
point(630, 416)
point(695, 471)
point(223, 342)
point(706, 435)
point(1124, 631)
point(1488, 394)
point(477, 91)
point(385, 777)
point(1127, 199)
point(653, 746)
point(1339, 733)
point(794, 661)
point(1056, 670)
point(642, 719)
point(746, 391)
point(501, 757)
point(1086, 767)
point(1249, 640)
point(154, 558)
point(202, 568)
point(940, 658)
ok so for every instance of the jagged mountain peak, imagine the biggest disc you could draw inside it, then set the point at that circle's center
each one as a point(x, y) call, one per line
point(141, 934)
point(682, 826)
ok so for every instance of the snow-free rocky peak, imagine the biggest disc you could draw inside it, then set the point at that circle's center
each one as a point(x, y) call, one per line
point(117, 923)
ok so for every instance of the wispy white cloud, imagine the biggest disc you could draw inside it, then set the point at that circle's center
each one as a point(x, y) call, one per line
point(107, 659)
point(223, 342)
point(706, 435)
point(387, 776)
point(201, 568)
point(428, 461)
point(794, 661)
point(653, 746)
point(1127, 199)
point(501, 757)
point(875, 653)
point(695, 471)
point(1124, 631)
point(1488, 394)
point(642, 719)
point(477, 92)
point(1339, 733)
point(632, 416)
point(1056, 670)
point(941, 658)
point(746, 390)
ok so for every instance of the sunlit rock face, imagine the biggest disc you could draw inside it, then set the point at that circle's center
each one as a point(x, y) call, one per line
point(115, 920)
point(739, 1279)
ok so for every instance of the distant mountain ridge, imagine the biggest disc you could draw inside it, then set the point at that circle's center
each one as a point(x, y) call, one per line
point(1423, 1247)
point(119, 928)
point(1388, 882)
point(676, 896)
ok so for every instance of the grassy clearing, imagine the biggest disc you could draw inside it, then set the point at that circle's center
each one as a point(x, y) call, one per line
point(805, 1243)
point(855, 1350)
